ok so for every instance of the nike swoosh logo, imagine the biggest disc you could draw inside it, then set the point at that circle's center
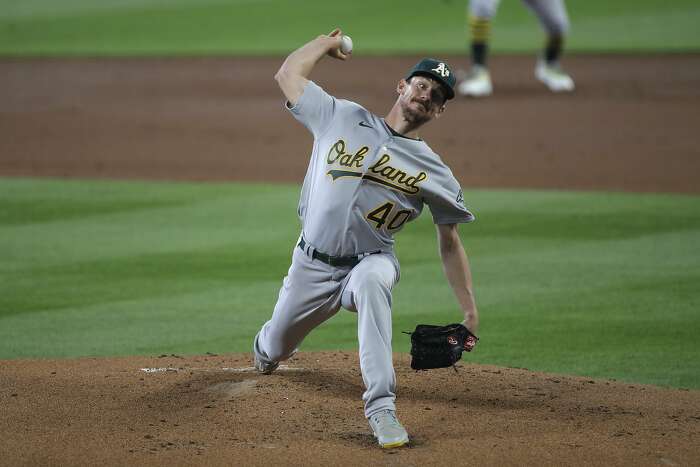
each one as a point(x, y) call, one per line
point(366, 125)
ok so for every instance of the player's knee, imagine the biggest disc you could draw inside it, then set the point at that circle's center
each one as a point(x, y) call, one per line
point(558, 27)
point(371, 282)
point(561, 31)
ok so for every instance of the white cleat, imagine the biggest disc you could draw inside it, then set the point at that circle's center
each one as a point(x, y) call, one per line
point(477, 83)
point(264, 368)
point(387, 429)
point(553, 77)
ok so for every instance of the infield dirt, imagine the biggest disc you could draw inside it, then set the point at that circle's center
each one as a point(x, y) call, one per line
point(215, 410)
point(630, 126)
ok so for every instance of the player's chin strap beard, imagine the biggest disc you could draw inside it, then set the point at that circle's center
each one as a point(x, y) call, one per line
point(422, 104)
point(415, 118)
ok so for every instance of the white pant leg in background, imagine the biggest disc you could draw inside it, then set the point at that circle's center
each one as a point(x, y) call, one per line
point(552, 15)
point(483, 9)
point(368, 292)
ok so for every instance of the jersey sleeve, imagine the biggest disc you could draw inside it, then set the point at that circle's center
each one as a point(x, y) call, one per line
point(315, 108)
point(446, 203)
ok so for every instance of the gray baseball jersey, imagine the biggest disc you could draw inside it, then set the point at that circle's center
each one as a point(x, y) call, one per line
point(364, 181)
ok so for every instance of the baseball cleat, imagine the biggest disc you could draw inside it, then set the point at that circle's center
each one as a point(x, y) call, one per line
point(477, 83)
point(387, 429)
point(553, 77)
point(265, 368)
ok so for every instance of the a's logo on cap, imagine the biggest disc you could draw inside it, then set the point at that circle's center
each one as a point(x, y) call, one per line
point(442, 70)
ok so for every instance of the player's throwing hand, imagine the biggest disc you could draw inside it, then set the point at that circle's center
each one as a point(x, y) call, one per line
point(336, 50)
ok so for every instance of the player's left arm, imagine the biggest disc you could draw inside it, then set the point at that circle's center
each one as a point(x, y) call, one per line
point(456, 266)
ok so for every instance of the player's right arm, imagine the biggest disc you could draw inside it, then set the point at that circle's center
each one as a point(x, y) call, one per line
point(294, 72)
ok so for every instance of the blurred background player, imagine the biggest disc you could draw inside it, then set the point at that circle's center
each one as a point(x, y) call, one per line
point(555, 22)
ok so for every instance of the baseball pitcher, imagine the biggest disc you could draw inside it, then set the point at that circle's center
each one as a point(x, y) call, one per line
point(367, 178)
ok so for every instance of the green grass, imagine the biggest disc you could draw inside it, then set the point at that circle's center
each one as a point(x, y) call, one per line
point(128, 27)
point(594, 284)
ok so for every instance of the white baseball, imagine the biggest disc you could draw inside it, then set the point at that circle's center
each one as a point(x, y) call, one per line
point(345, 44)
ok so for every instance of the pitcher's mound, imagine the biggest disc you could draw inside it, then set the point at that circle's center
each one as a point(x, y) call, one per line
point(216, 410)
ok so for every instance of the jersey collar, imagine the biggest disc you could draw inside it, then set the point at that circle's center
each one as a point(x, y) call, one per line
point(397, 134)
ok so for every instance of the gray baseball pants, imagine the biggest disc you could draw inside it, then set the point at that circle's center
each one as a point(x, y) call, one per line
point(313, 291)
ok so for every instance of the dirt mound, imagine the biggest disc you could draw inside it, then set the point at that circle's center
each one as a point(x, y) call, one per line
point(218, 410)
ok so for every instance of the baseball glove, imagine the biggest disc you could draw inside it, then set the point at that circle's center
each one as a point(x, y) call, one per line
point(439, 346)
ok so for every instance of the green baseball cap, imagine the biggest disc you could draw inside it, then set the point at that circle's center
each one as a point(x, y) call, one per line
point(438, 70)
